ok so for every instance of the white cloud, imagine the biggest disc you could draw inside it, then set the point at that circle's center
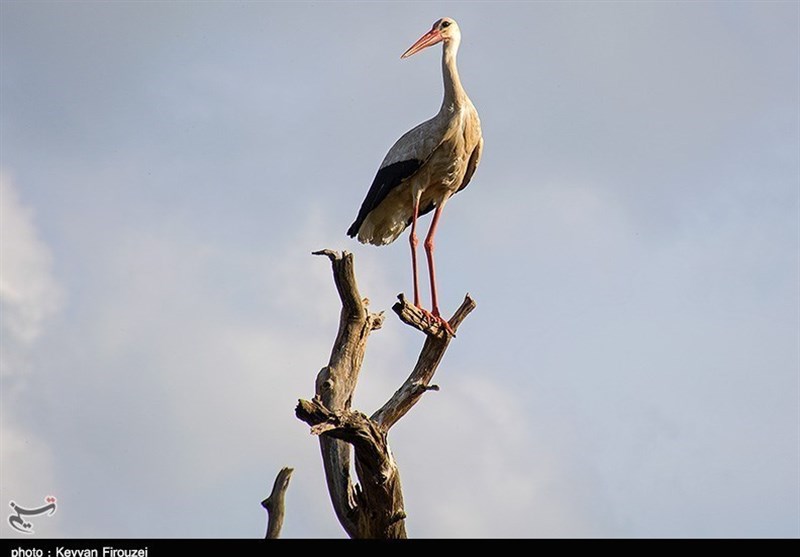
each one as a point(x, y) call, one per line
point(29, 293)
point(29, 296)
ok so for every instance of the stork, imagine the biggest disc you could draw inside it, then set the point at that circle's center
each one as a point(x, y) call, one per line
point(425, 167)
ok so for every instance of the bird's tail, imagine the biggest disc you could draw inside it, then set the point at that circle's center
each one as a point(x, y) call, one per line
point(377, 233)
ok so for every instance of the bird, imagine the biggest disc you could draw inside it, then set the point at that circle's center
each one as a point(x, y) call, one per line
point(425, 167)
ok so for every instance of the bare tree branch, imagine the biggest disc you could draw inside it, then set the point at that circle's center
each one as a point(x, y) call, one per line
point(337, 381)
point(432, 353)
point(275, 503)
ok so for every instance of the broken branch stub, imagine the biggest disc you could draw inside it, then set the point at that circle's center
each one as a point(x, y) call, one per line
point(275, 503)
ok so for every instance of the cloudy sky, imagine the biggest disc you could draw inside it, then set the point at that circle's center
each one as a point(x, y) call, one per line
point(631, 238)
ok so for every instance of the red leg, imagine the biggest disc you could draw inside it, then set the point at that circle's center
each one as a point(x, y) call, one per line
point(412, 239)
point(429, 247)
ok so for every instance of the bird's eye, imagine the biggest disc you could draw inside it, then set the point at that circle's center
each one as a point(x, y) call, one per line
point(445, 24)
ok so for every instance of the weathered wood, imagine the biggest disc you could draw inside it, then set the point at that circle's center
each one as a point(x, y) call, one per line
point(380, 500)
point(413, 316)
point(433, 350)
point(373, 508)
point(275, 503)
point(336, 382)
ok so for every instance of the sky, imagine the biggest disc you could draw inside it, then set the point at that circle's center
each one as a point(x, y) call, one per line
point(631, 237)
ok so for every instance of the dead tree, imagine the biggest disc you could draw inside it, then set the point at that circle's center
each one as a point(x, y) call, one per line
point(372, 508)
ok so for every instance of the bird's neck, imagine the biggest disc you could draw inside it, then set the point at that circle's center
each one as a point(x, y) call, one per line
point(454, 95)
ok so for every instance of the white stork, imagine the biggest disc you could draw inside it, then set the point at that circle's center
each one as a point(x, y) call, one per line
point(426, 166)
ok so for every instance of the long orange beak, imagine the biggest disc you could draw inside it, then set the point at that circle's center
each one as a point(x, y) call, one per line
point(432, 37)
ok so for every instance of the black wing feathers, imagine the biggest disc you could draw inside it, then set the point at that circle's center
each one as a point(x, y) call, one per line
point(387, 178)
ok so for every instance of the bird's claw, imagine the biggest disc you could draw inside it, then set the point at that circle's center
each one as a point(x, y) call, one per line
point(435, 317)
point(443, 322)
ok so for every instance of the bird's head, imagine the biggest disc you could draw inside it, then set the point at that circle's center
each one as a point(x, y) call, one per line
point(444, 30)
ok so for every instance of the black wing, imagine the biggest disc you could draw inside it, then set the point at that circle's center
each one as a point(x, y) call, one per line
point(387, 178)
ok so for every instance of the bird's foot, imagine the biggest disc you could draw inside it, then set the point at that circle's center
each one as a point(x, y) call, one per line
point(435, 317)
point(443, 322)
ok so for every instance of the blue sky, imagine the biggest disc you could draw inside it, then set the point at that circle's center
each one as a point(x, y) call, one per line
point(631, 238)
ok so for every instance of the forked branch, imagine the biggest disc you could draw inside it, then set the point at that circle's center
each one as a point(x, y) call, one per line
point(374, 509)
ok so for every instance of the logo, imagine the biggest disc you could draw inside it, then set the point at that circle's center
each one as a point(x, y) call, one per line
point(25, 526)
